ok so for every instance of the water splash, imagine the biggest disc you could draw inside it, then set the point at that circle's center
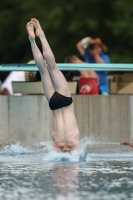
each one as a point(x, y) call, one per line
point(62, 157)
point(14, 149)
point(46, 150)
point(75, 156)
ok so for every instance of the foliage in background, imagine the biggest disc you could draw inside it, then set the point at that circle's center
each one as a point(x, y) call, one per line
point(65, 23)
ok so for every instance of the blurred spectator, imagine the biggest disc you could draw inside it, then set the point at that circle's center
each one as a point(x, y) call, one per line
point(85, 74)
point(93, 51)
point(32, 75)
point(89, 79)
point(4, 92)
point(6, 86)
point(13, 76)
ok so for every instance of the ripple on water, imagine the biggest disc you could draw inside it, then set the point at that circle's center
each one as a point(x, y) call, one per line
point(41, 173)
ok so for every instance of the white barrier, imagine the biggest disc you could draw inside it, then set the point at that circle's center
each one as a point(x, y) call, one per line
point(29, 119)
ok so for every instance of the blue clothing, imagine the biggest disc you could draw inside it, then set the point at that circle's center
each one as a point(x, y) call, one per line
point(103, 79)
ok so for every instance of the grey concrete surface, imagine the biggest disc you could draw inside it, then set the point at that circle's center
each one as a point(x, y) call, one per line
point(102, 118)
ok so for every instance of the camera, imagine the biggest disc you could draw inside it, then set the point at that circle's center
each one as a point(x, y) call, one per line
point(92, 46)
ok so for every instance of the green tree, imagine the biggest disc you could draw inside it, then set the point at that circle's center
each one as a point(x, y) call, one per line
point(65, 23)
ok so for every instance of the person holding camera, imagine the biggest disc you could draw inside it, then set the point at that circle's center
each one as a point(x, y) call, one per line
point(94, 51)
point(88, 83)
point(85, 74)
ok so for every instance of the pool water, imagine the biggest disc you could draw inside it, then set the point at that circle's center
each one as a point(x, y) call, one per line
point(38, 172)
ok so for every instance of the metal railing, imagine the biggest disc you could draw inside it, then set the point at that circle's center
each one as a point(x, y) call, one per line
point(70, 67)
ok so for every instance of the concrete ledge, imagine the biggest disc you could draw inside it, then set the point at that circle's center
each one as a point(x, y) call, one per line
point(29, 119)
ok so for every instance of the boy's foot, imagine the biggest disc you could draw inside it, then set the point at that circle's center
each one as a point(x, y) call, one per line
point(30, 30)
point(37, 26)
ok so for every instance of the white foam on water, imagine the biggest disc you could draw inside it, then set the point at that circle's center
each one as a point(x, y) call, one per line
point(84, 156)
point(49, 154)
point(15, 149)
point(62, 157)
point(75, 156)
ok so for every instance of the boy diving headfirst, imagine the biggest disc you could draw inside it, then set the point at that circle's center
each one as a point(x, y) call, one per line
point(65, 133)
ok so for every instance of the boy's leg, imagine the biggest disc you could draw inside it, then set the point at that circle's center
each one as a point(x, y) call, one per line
point(58, 78)
point(45, 76)
point(59, 81)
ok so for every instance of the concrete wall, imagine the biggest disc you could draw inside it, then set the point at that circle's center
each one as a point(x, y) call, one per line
point(29, 119)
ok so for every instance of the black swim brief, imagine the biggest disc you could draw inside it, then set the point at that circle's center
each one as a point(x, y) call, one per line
point(59, 101)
